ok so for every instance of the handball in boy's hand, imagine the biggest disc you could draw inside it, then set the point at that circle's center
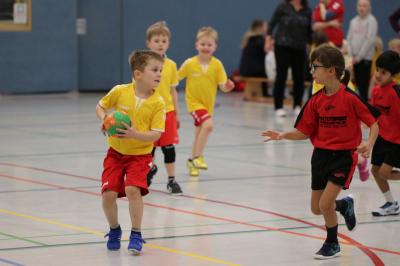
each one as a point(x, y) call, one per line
point(113, 121)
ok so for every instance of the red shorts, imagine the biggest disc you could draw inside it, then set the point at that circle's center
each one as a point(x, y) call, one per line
point(125, 170)
point(170, 134)
point(199, 116)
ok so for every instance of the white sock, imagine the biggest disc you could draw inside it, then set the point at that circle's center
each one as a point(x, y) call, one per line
point(388, 196)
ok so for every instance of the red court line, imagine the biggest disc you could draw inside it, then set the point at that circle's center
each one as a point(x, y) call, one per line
point(366, 250)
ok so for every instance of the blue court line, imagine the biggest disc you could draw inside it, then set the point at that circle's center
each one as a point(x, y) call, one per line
point(11, 262)
point(186, 236)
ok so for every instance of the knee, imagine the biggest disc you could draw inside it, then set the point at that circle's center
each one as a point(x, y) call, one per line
point(208, 126)
point(132, 192)
point(325, 206)
point(375, 171)
point(109, 197)
point(384, 173)
point(169, 153)
point(316, 210)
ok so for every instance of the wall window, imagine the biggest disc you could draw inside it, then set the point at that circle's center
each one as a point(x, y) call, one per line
point(15, 15)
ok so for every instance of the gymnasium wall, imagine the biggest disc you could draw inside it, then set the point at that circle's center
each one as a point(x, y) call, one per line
point(52, 57)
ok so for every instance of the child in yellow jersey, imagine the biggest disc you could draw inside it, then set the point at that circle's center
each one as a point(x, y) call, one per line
point(204, 74)
point(394, 45)
point(128, 159)
point(157, 40)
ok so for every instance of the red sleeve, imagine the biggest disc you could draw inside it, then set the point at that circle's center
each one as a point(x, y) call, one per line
point(307, 121)
point(365, 112)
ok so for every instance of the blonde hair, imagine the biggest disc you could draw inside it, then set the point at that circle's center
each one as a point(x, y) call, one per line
point(208, 32)
point(394, 44)
point(158, 28)
point(138, 60)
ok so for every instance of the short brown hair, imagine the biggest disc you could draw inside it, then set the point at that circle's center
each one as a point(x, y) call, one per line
point(158, 28)
point(138, 60)
point(207, 31)
point(329, 56)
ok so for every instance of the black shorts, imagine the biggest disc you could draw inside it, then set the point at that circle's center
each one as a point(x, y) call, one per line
point(335, 166)
point(385, 152)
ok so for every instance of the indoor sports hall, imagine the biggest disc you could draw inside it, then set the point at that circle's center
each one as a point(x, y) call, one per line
point(251, 207)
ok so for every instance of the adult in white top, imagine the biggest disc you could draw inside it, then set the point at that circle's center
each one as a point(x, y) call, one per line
point(361, 37)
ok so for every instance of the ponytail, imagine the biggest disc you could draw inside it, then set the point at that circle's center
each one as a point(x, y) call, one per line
point(345, 78)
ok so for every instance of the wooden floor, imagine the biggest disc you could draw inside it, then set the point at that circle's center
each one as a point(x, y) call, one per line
point(250, 208)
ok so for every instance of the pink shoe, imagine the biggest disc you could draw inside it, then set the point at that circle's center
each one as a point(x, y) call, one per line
point(363, 170)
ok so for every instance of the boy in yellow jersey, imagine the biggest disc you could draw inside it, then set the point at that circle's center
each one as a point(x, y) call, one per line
point(157, 40)
point(204, 74)
point(128, 159)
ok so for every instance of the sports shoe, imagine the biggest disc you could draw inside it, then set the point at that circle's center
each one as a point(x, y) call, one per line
point(349, 214)
point(363, 170)
point(280, 112)
point(136, 243)
point(200, 163)
point(389, 208)
point(173, 187)
point(114, 239)
point(151, 174)
point(328, 251)
point(193, 171)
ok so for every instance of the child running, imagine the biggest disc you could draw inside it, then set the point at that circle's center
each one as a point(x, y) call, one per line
point(203, 73)
point(128, 159)
point(331, 119)
point(157, 40)
point(386, 152)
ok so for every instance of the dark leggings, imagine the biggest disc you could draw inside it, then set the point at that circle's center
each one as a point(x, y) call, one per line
point(288, 57)
point(362, 75)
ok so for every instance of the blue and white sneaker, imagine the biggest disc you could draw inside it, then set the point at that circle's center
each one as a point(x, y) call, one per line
point(136, 243)
point(389, 208)
point(328, 251)
point(114, 239)
point(349, 214)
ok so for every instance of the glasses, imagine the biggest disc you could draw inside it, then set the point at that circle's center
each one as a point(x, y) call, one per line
point(314, 67)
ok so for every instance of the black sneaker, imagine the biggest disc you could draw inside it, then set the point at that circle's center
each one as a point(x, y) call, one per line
point(328, 251)
point(174, 188)
point(151, 174)
point(349, 214)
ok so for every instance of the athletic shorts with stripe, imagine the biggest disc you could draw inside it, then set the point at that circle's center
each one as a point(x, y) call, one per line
point(336, 166)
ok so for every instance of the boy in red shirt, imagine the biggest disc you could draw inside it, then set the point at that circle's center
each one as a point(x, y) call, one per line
point(386, 152)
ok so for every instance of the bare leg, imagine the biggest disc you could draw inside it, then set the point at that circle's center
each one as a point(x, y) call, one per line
point(196, 136)
point(386, 172)
point(202, 138)
point(382, 183)
point(170, 167)
point(135, 206)
point(315, 198)
point(327, 203)
point(110, 207)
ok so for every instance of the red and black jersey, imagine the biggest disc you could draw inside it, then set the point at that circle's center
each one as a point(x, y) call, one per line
point(333, 122)
point(387, 100)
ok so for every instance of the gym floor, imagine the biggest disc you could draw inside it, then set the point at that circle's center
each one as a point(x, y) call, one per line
point(250, 208)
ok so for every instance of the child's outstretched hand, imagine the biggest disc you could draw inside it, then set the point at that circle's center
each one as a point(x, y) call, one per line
point(364, 149)
point(129, 132)
point(229, 85)
point(271, 135)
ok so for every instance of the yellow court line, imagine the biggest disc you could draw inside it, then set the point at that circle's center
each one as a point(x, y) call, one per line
point(98, 233)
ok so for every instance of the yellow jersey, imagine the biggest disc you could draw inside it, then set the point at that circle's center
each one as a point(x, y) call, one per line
point(145, 114)
point(202, 83)
point(317, 87)
point(169, 78)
